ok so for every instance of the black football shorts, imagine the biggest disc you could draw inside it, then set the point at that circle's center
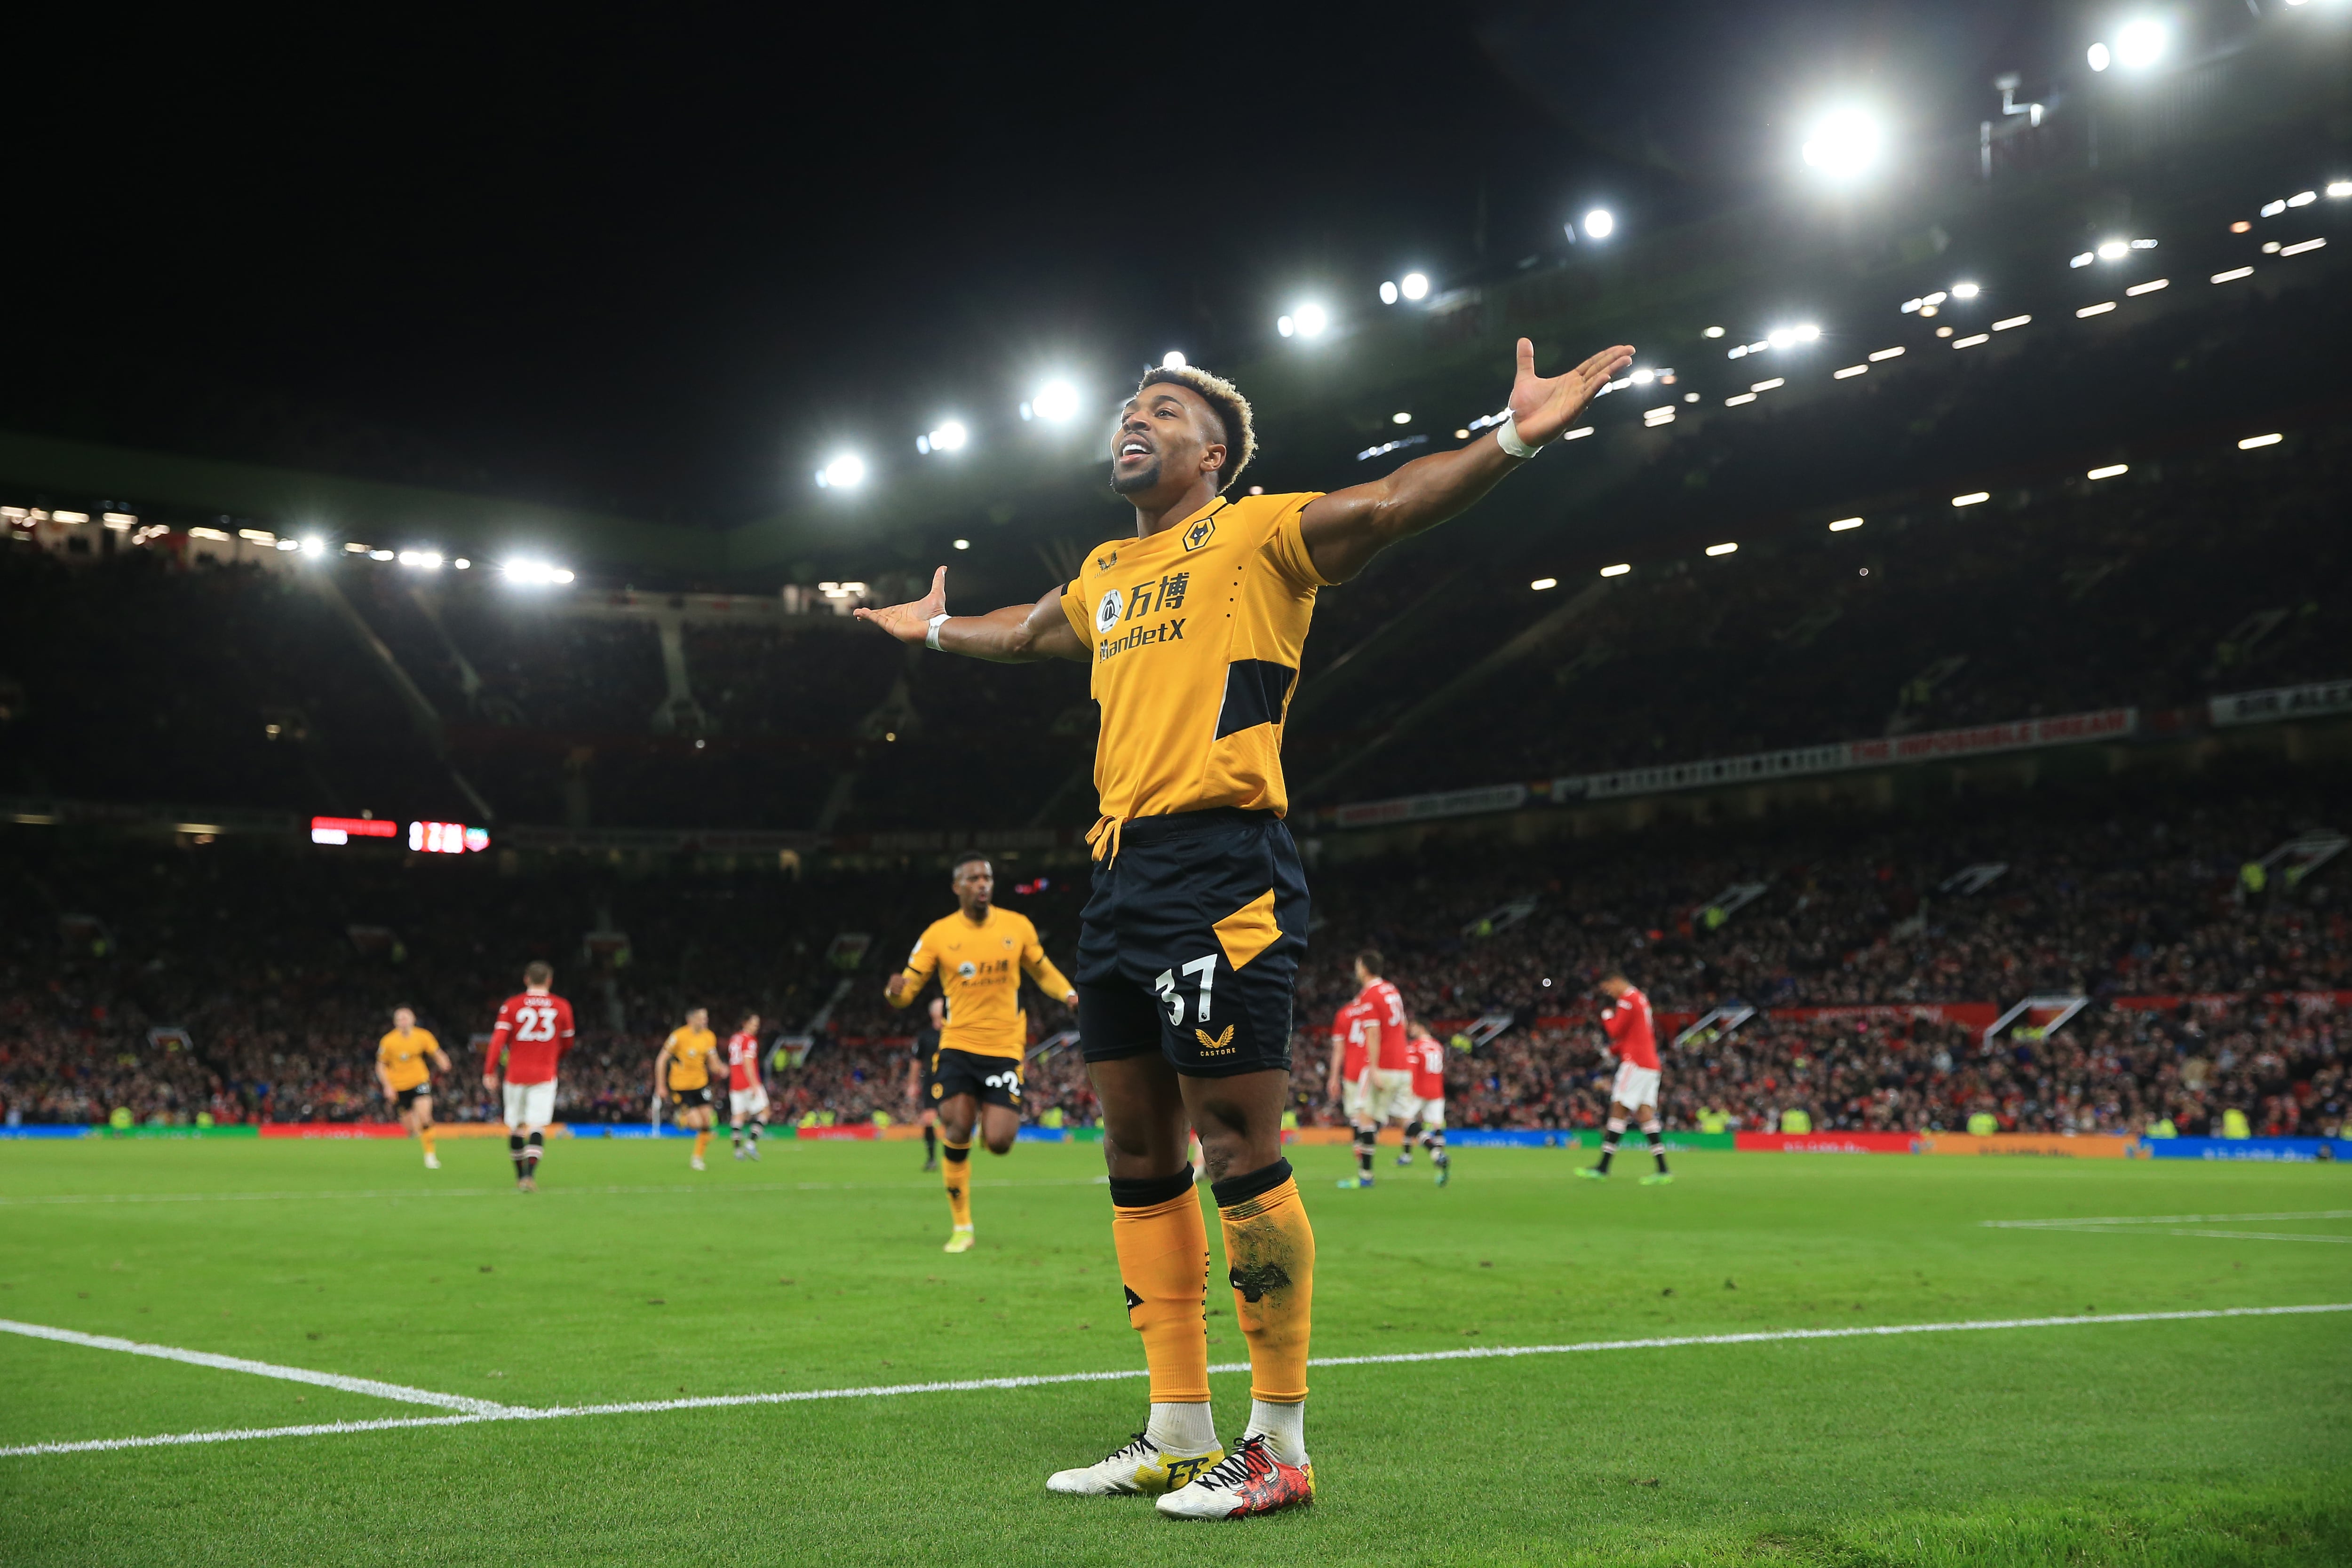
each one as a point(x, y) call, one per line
point(690, 1099)
point(991, 1079)
point(405, 1099)
point(1190, 944)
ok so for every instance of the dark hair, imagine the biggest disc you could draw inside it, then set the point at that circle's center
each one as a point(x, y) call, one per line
point(969, 856)
point(747, 1018)
point(1370, 959)
point(1225, 400)
point(537, 973)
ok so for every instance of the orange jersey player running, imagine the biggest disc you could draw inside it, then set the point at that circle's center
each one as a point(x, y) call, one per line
point(401, 1067)
point(1192, 624)
point(1633, 1037)
point(979, 954)
point(534, 1031)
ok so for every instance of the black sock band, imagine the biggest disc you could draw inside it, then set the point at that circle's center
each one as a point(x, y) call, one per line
point(538, 1142)
point(1148, 1192)
point(957, 1156)
point(1241, 1189)
point(514, 1143)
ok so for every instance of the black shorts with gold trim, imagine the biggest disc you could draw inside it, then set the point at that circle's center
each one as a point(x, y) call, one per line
point(1191, 941)
point(688, 1099)
point(405, 1099)
point(991, 1079)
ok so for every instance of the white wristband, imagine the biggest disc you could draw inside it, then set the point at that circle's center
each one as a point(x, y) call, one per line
point(932, 638)
point(1507, 436)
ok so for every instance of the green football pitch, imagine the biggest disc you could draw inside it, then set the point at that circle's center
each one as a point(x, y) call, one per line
point(2221, 1436)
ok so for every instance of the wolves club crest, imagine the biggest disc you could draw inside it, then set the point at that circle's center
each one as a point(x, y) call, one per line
point(1200, 533)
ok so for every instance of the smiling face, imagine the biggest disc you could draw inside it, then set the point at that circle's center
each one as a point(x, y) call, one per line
point(1168, 438)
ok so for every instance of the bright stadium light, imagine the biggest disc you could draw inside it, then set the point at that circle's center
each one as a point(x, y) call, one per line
point(1843, 144)
point(1388, 293)
point(1599, 224)
point(2100, 56)
point(1310, 320)
point(2110, 471)
point(1056, 401)
point(534, 573)
point(314, 545)
point(1400, 418)
point(1543, 584)
point(1964, 291)
point(1173, 360)
point(1844, 525)
point(845, 472)
point(2114, 249)
point(1415, 285)
point(951, 436)
point(2141, 44)
point(1722, 550)
point(1620, 570)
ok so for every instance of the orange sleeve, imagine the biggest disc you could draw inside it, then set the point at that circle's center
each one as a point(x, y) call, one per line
point(1075, 611)
point(1285, 547)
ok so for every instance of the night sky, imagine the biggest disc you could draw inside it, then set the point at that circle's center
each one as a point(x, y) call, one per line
point(660, 263)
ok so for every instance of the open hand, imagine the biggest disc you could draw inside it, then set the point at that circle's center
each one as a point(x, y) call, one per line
point(911, 622)
point(1542, 407)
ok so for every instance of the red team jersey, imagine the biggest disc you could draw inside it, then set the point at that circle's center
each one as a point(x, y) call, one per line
point(742, 1062)
point(533, 1030)
point(1627, 1019)
point(1428, 1068)
point(1347, 1025)
point(1383, 1003)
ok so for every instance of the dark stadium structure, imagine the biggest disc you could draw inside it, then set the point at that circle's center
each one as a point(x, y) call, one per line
point(1885, 650)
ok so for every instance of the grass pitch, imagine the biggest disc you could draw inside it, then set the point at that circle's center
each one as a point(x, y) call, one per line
point(628, 1277)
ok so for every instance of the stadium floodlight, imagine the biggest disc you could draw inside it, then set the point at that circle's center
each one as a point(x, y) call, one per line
point(2101, 308)
point(1843, 524)
point(1541, 583)
point(2084, 258)
point(2111, 471)
point(1848, 373)
point(1712, 332)
point(1643, 378)
point(1974, 497)
point(2006, 322)
point(379, 555)
point(313, 544)
point(1173, 360)
point(1387, 294)
point(2114, 249)
point(951, 436)
point(2233, 276)
point(1285, 325)
point(2273, 209)
point(1310, 320)
point(2339, 189)
point(534, 573)
point(1964, 291)
point(963, 544)
point(1843, 144)
point(1056, 401)
point(2302, 198)
point(1413, 285)
point(2141, 44)
point(422, 560)
point(1620, 570)
point(1773, 385)
point(2309, 244)
point(2100, 56)
point(1885, 354)
point(354, 548)
point(1726, 548)
point(2150, 287)
point(2250, 442)
point(1400, 418)
point(462, 564)
point(1599, 224)
point(845, 472)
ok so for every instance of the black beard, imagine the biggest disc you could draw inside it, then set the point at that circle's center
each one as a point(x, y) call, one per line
point(1142, 479)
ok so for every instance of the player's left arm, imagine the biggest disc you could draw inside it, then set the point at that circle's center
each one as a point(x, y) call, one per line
point(1344, 530)
point(1049, 979)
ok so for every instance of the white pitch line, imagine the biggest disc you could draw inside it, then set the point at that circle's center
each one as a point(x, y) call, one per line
point(368, 1386)
point(2162, 1220)
point(974, 1384)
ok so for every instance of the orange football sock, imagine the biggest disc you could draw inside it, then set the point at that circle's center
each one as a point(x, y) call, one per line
point(1163, 1261)
point(426, 1138)
point(701, 1142)
point(955, 1174)
point(1271, 1250)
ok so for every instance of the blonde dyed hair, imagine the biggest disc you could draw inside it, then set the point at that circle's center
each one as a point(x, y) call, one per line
point(1225, 400)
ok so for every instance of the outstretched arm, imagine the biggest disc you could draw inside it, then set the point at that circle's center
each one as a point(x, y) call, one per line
point(1016, 635)
point(1346, 529)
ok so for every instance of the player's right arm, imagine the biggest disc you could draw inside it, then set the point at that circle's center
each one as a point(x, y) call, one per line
point(1338, 1052)
point(661, 1062)
point(1016, 635)
point(902, 989)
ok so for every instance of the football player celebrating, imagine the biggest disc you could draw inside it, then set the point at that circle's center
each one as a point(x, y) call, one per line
point(534, 1031)
point(1193, 625)
point(979, 953)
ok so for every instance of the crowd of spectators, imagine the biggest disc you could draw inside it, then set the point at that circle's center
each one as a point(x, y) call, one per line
point(244, 983)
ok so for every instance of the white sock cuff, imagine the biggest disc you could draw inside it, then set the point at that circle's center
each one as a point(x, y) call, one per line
point(1615, 1124)
point(1652, 1129)
point(1183, 1429)
point(1284, 1428)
